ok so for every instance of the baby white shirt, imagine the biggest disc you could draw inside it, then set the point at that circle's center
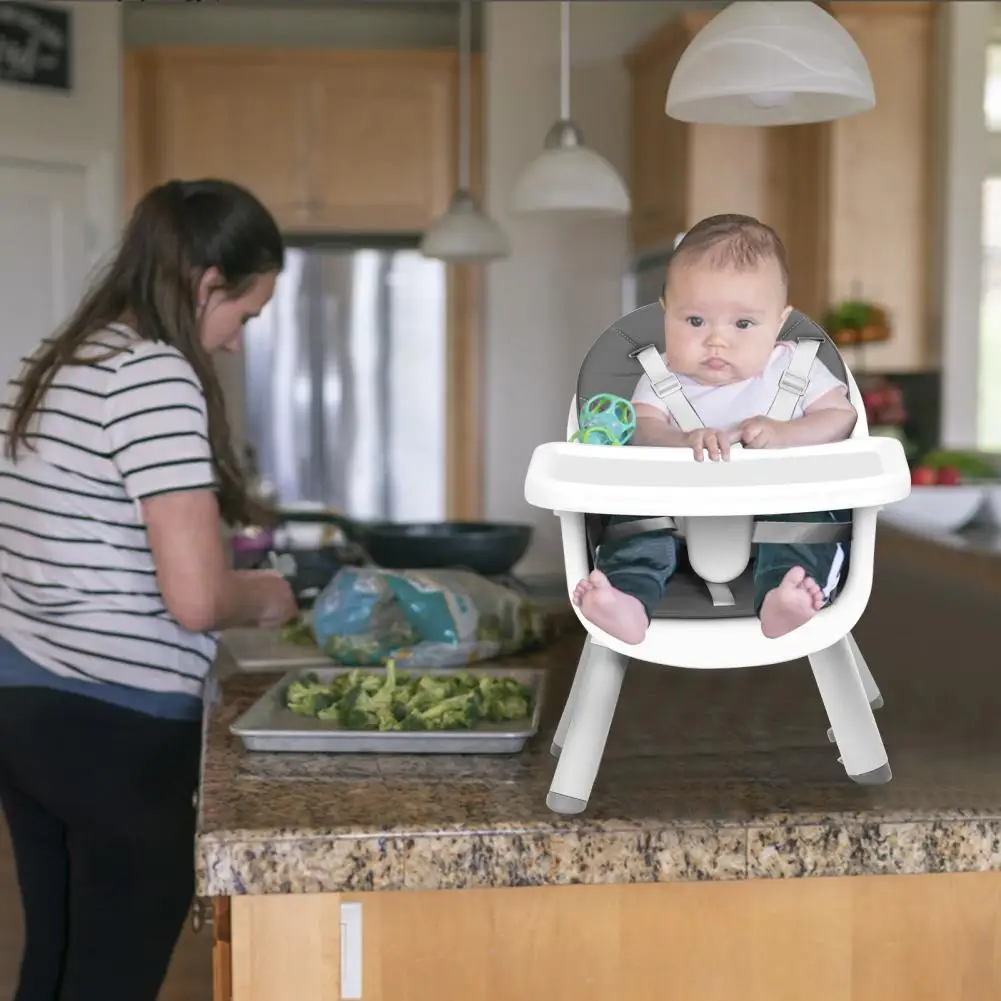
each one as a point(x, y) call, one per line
point(724, 407)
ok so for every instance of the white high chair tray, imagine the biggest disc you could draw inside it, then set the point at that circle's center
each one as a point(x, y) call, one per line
point(639, 480)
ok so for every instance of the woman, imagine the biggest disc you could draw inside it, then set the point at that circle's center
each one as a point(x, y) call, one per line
point(117, 472)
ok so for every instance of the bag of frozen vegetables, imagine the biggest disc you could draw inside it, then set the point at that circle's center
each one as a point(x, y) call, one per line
point(422, 618)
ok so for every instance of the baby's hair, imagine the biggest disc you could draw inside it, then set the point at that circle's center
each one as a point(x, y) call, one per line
point(736, 241)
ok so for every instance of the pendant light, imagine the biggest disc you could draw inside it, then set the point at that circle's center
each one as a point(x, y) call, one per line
point(567, 177)
point(761, 62)
point(464, 232)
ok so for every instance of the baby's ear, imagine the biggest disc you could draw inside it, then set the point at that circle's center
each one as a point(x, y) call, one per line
point(663, 305)
point(786, 313)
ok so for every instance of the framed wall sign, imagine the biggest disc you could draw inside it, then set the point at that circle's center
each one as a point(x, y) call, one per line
point(36, 45)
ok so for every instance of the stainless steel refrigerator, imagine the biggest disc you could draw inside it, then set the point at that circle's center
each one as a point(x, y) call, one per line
point(345, 381)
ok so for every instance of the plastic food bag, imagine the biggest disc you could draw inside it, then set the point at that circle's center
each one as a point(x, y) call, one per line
point(421, 618)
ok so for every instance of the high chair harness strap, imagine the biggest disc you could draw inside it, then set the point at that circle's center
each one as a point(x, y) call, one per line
point(793, 384)
point(668, 389)
point(795, 380)
point(792, 387)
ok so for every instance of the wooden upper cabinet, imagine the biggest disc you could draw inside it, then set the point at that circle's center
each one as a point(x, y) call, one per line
point(659, 177)
point(241, 117)
point(382, 140)
point(881, 166)
point(328, 140)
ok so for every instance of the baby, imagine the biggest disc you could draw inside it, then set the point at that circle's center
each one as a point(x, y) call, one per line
point(725, 302)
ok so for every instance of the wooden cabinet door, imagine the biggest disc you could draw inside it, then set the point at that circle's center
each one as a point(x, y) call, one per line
point(659, 181)
point(881, 175)
point(659, 188)
point(235, 114)
point(382, 139)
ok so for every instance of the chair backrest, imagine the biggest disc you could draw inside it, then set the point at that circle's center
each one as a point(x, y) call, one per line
point(611, 366)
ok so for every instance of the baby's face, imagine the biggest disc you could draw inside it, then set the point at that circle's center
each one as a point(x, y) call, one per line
point(720, 324)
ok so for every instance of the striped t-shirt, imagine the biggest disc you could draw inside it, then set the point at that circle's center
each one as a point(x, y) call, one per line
point(78, 589)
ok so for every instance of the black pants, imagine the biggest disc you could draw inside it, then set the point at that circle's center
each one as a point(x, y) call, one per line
point(641, 565)
point(99, 801)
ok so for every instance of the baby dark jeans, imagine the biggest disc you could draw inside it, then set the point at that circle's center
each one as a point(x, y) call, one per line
point(642, 565)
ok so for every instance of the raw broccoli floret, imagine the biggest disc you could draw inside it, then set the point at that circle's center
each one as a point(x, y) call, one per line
point(361, 700)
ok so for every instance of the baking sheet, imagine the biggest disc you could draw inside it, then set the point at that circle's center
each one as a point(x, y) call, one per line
point(268, 726)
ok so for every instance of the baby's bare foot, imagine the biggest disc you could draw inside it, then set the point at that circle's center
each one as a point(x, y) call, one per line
point(618, 614)
point(795, 601)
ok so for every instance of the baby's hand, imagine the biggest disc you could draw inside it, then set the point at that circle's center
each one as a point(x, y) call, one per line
point(762, 432)
point(716, 443)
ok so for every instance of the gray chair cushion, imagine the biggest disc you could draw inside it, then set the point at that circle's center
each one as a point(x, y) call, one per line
point(688, 597)
point(610, 368)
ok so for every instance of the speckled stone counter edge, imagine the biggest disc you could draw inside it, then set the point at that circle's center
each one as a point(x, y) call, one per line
point(347, 865)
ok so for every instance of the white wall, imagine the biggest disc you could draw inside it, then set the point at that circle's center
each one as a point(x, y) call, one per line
point(968, 26)
point(562, 285)
point(88, 118)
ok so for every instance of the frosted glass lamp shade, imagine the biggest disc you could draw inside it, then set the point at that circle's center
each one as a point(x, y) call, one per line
point(761, 62)
point(465, 233)
point(568, 177)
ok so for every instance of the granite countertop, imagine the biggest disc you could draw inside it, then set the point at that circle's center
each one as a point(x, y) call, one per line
point(706, 775)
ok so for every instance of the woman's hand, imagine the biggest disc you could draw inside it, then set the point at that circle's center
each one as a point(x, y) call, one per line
point(276, 602)
point(198, 587)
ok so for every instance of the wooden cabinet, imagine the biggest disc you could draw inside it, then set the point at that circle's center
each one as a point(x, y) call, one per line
point(881, 186)
point(852, 199)
point(330, 141)
point(383, 140)
point(877, 938)
point(659, 174)
point(238, 115)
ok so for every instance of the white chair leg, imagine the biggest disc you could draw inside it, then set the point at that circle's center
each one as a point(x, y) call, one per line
point(564, 724)
point(872, 692)
point(848, 709)
point(590, 719)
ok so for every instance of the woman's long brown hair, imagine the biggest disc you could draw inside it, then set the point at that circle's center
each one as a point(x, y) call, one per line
point(177, 232)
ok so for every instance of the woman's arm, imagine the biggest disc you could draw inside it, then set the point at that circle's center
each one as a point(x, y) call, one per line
point(197, 585)
point(157, 428)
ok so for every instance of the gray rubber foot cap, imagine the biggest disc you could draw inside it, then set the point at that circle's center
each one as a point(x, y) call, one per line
point(877, 777)
point(877, 702)
point(555, 750)
point(559, 803)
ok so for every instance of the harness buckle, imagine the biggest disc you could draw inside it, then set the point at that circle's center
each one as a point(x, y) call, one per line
point(793, 383)
point(666, 385)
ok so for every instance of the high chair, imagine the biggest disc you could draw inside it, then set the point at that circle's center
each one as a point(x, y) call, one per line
point(720, 509)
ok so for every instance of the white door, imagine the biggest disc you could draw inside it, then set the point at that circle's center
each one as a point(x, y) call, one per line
point(43, 253)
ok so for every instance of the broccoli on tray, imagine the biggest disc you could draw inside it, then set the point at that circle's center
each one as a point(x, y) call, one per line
point(364, 701)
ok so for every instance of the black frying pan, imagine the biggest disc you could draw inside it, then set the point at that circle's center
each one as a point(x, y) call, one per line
point(487, 548)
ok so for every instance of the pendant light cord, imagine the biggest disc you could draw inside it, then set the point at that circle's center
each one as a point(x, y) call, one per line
point(565, 61)
point(465, 44)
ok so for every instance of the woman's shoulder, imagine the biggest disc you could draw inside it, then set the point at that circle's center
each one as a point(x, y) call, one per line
point(135, 357)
